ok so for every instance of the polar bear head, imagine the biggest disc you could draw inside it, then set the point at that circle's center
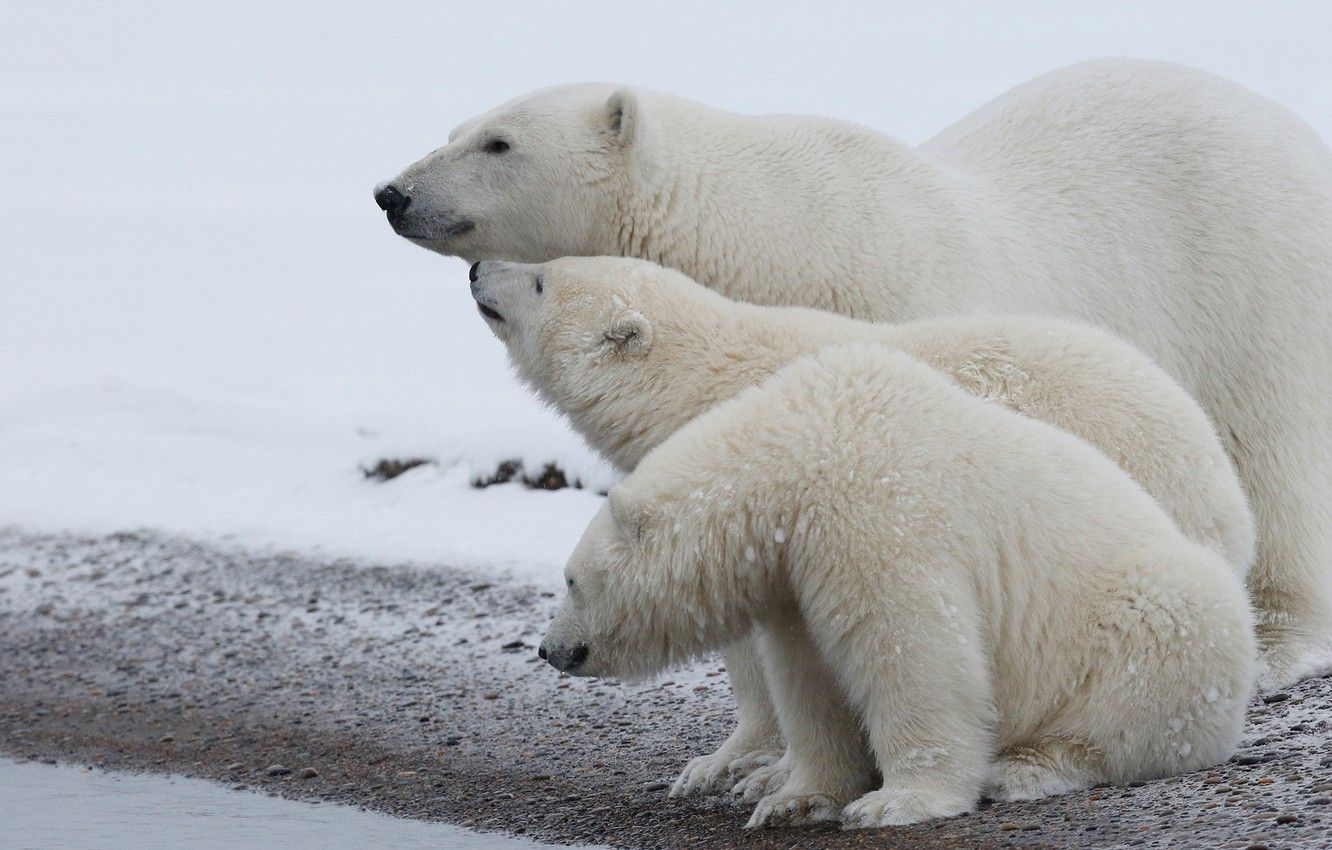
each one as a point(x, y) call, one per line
point(591, 634)
point(536, 178)
point(623, 347)
point(644, 590)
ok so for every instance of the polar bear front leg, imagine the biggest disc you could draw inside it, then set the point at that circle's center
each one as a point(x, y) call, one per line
point(756, 741)
point(828, 760)
point(919, 677)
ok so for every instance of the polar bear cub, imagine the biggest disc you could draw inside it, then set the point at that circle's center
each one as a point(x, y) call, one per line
point(1002, 607)
point(631, 351)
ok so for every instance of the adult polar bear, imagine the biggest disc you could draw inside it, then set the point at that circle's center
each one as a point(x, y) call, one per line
point(1187, 214)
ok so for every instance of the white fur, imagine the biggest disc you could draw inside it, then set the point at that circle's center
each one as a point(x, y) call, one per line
point(1188, 215)
point(1001, 607)
point(631, 351)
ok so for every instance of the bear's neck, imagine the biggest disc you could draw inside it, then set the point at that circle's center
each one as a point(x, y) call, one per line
point(790, 211)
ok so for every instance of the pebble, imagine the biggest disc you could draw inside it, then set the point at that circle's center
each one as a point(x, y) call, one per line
point(235, 766)
point(308, 773)
point(1277, 697)
point(277, 770)
point(656, 786)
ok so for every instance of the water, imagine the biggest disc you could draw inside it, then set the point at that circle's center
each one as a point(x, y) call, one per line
point(47, 807)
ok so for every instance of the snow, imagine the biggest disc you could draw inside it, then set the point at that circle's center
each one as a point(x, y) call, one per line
point(206, 326)
point(44, 807)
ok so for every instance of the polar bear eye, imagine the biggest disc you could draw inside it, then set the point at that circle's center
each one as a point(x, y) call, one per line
point(497, 146)
point(539, 286)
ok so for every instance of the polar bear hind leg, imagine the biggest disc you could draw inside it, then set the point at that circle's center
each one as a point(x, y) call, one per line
point(1283, 450)
point(1291, 584)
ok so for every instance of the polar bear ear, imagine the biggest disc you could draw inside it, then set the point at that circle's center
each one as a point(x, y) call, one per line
point(628, 512)
point(630, 332)
point(622, 116)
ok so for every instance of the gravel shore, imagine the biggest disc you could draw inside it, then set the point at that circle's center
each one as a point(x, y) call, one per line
point(417, 692)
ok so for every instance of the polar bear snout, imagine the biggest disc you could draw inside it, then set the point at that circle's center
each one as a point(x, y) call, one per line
point(485, 301)
point(392, 201)
point(566, 659)
point(505, 292)
point(419, 218)
point(486, 310)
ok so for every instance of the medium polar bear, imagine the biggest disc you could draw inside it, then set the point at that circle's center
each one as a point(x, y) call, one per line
point(1184, 213)
point(1001, 607)
point(631, 351)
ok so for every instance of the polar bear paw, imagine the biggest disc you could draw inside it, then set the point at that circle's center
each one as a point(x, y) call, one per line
point(1290, 656)
point(762, 781)
point(1020, 777)
point(793, 809)
point(902, 806)
point(716, 771)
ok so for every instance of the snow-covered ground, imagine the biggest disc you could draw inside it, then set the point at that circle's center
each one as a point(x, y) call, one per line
point(206, 327)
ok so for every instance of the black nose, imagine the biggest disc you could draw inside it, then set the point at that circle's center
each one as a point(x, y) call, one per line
point(391, 200)
point(471, 275)
point(541, 653)
point(565, 658)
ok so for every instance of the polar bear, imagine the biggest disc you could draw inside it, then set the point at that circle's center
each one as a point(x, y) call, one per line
point(1002, 608)
point(630, 351)
point(1184, 213)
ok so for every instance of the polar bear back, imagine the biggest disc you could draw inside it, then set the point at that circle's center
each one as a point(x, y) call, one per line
point(1096, 386)
point(699, 348)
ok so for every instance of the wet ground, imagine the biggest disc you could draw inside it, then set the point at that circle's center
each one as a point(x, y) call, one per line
point(416, 693)
point(59, 807)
